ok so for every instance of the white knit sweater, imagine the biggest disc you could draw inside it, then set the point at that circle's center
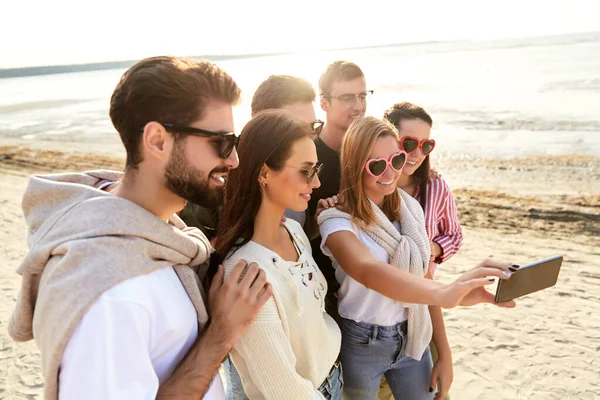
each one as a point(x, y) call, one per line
point(290, 348)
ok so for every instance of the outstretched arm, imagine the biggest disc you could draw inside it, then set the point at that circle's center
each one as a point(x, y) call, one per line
point(356, 260)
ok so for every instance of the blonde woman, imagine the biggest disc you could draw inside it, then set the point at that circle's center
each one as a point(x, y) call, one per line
point(377, 242)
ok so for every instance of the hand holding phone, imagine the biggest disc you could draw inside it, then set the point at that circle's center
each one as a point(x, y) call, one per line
point(529, 278)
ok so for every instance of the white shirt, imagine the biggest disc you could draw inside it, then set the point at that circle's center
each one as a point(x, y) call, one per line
point(356, 301)
point(131, 340)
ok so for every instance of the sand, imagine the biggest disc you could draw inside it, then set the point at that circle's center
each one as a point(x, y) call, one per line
point(519, 210)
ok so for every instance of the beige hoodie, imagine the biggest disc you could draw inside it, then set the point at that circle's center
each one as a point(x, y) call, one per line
point(84, 241)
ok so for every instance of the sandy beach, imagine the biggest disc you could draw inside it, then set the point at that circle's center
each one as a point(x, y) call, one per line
point(519, 210)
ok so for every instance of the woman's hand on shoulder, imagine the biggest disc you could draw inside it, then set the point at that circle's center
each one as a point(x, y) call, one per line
point(325, 204)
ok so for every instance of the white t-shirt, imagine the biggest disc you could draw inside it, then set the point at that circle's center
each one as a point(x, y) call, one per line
point(356, 301)
point(131, 340)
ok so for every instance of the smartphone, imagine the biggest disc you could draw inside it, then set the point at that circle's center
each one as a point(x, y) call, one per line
point(529, 278)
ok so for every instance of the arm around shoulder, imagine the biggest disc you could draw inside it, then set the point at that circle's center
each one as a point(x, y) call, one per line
point(233, 303)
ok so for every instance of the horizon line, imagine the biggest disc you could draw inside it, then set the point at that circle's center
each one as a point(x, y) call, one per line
point(14, 72)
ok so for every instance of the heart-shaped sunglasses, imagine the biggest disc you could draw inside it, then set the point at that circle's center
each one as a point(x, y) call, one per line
point(411, 143)
point(377, 166)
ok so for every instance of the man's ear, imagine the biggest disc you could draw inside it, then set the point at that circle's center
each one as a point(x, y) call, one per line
point(156, 142)
point(324, 104)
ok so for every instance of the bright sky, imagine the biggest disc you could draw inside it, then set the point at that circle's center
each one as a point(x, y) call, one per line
point(42, 32)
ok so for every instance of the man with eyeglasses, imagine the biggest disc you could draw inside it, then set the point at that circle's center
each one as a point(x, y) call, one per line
point(110, 286)
point(344, 96)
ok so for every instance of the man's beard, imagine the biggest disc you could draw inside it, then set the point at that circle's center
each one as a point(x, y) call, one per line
point(191, 183)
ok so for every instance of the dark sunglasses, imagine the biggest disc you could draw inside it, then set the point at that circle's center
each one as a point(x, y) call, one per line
point(224, 142)
point(411, 143)
point(309, 173)
point(377, 166)
point(317, 126)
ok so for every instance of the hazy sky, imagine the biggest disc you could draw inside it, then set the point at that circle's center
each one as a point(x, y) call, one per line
point(42, 32)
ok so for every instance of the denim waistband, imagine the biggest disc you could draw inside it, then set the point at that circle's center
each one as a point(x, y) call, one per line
point(375, 331)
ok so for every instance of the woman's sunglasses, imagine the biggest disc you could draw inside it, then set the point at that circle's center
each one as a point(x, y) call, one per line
point(377, 166)
point(309, 173)
point(224, 142)
point(317, 126)
point(411, 143)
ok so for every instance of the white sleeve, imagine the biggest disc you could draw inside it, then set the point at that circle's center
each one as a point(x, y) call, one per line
point(107, 356)
point(333, 225)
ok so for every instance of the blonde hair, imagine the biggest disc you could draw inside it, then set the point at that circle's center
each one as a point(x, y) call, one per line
point(357, 146)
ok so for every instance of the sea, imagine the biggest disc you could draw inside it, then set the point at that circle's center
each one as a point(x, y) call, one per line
point(491, 99)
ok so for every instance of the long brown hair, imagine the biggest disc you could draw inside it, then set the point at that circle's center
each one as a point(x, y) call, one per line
point(403, 111)
point(357, 145)
point(267, 139)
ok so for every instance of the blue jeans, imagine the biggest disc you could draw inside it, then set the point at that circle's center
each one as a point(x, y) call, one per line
point(370, 351)
point(331, 388)
point(235, 389)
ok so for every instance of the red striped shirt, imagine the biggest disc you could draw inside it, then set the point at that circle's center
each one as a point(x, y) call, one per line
point(441, 221)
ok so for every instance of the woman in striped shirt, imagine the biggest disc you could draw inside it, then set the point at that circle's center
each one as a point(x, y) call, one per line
point(417, 179)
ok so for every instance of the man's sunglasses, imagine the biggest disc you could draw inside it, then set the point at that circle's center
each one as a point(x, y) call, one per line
point(224, 142)
point(377, 166)
point(411, 143)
